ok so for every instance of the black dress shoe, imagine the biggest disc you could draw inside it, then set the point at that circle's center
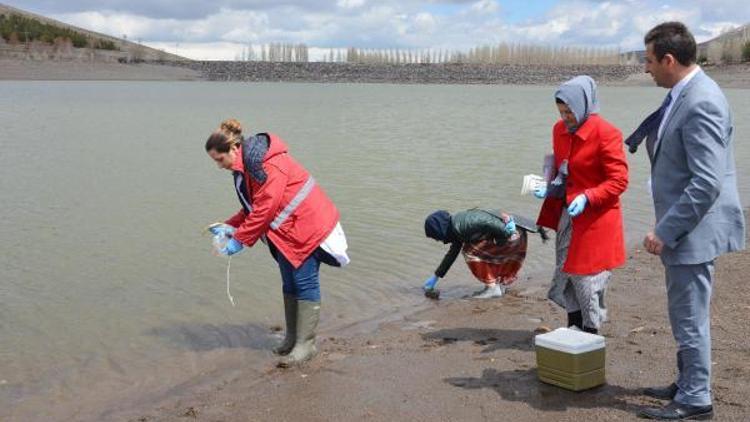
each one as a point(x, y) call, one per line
point(676, 411)
point(662, 393)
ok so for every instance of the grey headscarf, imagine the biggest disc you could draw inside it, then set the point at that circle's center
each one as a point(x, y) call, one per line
point(579, 94)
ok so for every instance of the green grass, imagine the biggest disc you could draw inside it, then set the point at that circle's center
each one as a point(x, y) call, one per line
point(16, 28)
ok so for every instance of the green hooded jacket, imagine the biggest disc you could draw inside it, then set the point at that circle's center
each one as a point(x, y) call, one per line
point(472, 226)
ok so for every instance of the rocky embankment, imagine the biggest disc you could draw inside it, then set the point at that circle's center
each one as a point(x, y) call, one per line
point(453, 73)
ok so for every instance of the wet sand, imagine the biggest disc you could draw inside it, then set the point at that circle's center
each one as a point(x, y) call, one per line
point(463, 359)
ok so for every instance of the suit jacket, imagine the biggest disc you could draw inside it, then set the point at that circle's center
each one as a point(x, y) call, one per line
point(694, 182)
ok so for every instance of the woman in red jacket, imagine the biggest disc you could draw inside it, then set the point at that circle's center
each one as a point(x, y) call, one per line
point(583, 204)
point(283, 206)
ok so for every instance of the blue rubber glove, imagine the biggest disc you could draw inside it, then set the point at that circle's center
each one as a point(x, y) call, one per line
point(541, 192)
point(430, 283)
point(221, 229)
point(576, 207)
point(510, 227)
point(233, 246)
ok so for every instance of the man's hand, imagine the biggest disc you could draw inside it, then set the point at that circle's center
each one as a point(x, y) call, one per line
point(653, 244)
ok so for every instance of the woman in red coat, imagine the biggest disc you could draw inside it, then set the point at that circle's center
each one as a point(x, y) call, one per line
point(582, 203)
point(283, 206)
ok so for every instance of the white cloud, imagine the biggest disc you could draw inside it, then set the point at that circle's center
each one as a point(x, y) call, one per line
point(595, 23)
point(350, 4)
point(113, 24)
point(226, 25)
point(424, 22)
point(485, 6)
point(232, 50)
point(201, 51)
point(220, 31)
point(714, 29)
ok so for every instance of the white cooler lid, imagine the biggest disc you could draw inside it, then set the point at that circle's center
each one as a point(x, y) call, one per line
point(570, 341)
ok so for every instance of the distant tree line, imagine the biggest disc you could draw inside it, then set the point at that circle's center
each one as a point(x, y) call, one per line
point(503, 53)
point(274, 52)
point(16, 29)
point(732, 48)
point(499, 54)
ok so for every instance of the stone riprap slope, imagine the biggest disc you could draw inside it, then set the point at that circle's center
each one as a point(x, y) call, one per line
point(454, 73)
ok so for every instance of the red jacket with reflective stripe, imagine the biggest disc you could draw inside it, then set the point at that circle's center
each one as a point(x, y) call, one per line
point(598, 169)
point(305, 228)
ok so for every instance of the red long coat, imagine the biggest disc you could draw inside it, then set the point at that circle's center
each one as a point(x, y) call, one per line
point(305, 228)
point(597, 168)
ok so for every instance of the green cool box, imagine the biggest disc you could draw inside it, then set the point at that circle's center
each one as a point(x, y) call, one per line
point(570, 359)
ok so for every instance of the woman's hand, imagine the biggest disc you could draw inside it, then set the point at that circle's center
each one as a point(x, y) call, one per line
point(541, 192)
point(221, 229)
point(578, 205)
point(233, 246)
point(430, 283)
point(510, 226)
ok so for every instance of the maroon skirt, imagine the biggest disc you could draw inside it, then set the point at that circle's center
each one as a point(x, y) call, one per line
point(491, 263)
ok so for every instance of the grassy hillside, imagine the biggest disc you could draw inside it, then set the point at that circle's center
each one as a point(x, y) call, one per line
point(21, 27)
point(732, 46)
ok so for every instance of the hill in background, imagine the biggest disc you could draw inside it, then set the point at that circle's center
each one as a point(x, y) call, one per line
point(27, 35)
point(733, 46)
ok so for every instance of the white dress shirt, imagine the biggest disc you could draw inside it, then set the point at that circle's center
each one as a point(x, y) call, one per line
point(675, 92)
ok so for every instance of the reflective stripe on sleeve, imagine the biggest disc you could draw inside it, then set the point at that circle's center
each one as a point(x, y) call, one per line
point(294, 203)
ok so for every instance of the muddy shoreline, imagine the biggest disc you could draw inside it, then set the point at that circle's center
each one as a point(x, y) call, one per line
point(463, 359)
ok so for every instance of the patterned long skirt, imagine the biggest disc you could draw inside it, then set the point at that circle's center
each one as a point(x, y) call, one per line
point(576, 292)
point(491, 263)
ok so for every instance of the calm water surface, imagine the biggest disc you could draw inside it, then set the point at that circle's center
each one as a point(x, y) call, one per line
point(108, 291)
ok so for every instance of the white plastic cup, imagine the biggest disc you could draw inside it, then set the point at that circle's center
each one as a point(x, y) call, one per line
point(531, 182)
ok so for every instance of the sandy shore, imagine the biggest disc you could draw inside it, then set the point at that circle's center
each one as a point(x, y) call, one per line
point(463, 359)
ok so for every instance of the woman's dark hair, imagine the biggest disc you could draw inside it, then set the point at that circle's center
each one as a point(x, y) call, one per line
point(672, 38)
point(227, 135)
point(559, 101)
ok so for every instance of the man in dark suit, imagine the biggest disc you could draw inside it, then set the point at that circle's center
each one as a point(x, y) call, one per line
point(698, 212)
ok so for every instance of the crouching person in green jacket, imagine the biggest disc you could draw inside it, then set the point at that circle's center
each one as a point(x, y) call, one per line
point(493, 244)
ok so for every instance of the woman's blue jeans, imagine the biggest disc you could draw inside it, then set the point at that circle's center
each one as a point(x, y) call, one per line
point(302, 283)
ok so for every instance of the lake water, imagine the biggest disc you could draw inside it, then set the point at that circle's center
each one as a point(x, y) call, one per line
point(109, 293)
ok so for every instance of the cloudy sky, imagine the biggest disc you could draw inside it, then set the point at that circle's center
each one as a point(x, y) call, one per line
point(219, 29)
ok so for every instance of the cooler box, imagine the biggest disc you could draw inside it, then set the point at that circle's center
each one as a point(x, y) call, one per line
point(570, 359)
